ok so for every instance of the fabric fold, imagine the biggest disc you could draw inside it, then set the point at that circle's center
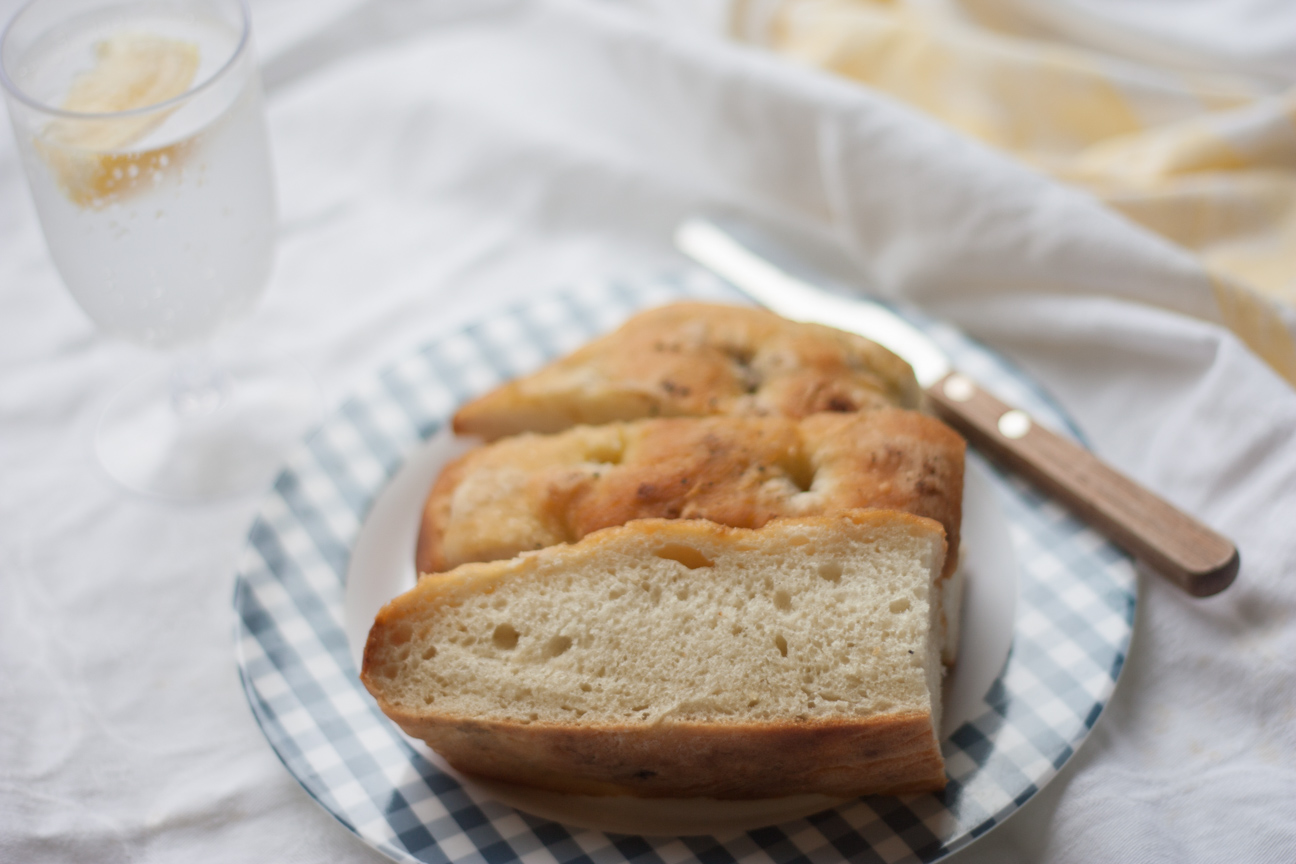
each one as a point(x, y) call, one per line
point(1204, 158)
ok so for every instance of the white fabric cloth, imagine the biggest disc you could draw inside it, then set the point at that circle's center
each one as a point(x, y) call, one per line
point(436, 160)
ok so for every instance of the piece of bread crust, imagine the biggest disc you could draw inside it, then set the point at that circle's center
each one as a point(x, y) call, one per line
point(532, 491)
point(679, 658)
point(697, 359)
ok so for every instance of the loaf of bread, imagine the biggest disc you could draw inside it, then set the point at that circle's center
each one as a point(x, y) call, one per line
point(680, 658)
point(698, 359)
point(530, 491)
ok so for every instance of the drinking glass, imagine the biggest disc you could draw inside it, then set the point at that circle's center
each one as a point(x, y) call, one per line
point(142, 133)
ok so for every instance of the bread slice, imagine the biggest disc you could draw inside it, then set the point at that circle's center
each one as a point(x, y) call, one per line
point(697, 359)
point(531, 491)
point(680, 658)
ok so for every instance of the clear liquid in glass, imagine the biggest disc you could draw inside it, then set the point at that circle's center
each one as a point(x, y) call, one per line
point(164, 239)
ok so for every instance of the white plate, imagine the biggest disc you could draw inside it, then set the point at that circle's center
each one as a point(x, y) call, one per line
point(334, 539)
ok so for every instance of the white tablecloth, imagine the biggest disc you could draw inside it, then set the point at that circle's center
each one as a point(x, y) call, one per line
point(436, 160)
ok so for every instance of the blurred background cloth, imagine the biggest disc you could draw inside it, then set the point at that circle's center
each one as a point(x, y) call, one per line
point(1180, 122)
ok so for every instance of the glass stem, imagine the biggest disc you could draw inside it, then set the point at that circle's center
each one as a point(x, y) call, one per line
point(199, 386)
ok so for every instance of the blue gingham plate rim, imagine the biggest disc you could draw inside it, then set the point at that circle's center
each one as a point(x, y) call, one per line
point(1075, 614)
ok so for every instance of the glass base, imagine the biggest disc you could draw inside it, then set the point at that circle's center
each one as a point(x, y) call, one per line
point(163, 436)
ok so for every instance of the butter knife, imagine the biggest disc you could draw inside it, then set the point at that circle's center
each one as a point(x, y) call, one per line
point(1167, 540)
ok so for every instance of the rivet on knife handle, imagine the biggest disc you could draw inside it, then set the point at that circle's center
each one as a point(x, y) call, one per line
point(1169, 541)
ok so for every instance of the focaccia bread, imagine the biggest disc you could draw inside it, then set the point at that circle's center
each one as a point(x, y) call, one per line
point(530, 491)
point(680, 658)
point(697, 359)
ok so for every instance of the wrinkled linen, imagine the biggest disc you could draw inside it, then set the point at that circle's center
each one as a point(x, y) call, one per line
point(438, 160)
point(1199, 149)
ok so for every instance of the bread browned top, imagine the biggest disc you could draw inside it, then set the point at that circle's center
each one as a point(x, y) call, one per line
point(531, 491)
point(682, 658)
point(698, 359)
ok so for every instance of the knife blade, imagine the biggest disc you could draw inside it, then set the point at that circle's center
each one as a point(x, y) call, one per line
point(1167, 540)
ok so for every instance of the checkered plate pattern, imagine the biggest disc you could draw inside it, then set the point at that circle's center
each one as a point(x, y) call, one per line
point(1074, 619)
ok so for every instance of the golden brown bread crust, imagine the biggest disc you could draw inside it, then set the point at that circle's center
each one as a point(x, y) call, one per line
point(698, 359)
point(533, 491)
point(887, 755)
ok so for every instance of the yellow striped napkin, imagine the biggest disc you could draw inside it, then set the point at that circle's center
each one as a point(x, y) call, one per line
point(1206, 160)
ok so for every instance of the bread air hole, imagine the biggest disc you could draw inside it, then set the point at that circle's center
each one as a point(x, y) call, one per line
point(606, 452)
point(686, 555)
point(782, 601)
point(505, 637)
point(831, 571)
point(799, 469)
point(899, 605)
point(555, 647)
point(781, 644)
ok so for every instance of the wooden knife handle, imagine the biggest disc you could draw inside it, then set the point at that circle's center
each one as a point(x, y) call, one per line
point(1169, 541)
